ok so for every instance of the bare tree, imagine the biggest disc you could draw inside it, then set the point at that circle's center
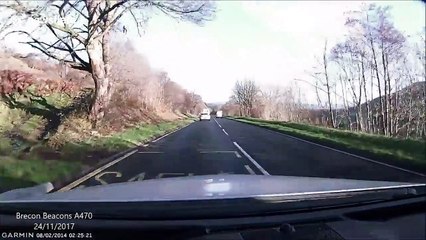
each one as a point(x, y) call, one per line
point(349, 56)
point(245, 93)
point(385, 44)
point(81, 30)
point(193, 102)
point(324, 84)
point(281, 103)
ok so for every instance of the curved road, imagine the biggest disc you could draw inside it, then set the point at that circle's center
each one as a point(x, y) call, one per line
point(223, 146)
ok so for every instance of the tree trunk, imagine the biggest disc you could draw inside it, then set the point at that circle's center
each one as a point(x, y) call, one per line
point(361, 117)
point(98, 52)
point(376, 68)
point(345, 103)
point(386, 99)
point(389, 103)
point(367, 103)
point(102, 82)
point(327, 81)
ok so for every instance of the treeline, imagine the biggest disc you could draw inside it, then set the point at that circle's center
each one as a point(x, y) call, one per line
point(81, 38)
point(139, 92)
point(373, 81)
point(140, 89)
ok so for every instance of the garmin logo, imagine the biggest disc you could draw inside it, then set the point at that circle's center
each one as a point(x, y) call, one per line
point(15, 235)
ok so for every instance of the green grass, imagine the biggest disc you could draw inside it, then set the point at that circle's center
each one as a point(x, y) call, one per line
point(31, 127)
point(408, 150)
point(15, 173)
point(100, 147)
point(5, 146)
point(134, 136)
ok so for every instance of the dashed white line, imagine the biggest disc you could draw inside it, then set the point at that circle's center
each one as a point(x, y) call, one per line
point(251, 159)
point(217, 122)
point(95, 172)
point(350, 154)
point(225, 132)
point(249, 170)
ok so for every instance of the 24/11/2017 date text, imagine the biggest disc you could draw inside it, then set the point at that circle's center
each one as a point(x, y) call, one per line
point(53, 226)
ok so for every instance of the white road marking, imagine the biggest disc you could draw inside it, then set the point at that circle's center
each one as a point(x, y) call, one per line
point(251, 159)
point(217, 122)
point(98, 170)
point(249, 170)
point(103, 182)
point(350, 154)
point(95, 172)
point(225, 132)
point(138, 177)
point(237, 154)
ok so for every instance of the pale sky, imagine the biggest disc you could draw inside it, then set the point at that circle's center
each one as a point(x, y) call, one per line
point(270, 42)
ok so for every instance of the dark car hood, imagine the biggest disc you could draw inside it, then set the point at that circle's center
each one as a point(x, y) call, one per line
point(208, 187)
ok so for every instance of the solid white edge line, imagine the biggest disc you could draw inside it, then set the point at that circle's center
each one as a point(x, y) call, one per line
point(94, 172)
point(217, 122)
point(259, 196)
point(225, 132)
point(251, 159)
point(249, 170)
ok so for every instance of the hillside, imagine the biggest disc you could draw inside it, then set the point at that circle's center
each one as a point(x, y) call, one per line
point(45, 133)
point(411, 95)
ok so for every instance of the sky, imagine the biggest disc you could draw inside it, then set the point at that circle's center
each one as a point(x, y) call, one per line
point(270, 42)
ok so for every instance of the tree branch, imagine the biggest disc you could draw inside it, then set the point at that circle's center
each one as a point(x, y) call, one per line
point(71, 50)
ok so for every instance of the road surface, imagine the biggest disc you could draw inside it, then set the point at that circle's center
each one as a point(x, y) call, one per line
point(223, 146)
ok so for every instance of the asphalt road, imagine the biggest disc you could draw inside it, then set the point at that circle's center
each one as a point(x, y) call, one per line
point(223, 146)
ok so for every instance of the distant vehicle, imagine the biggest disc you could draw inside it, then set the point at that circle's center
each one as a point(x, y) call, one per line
point(205, 116)
point(219, 114)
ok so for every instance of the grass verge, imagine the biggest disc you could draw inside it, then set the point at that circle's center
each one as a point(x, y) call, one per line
point(406, 152)
point(17, 173)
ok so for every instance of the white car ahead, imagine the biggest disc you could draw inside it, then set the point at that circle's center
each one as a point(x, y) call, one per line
point(204, 116)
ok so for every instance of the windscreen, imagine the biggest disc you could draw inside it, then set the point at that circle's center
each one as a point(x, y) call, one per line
point(95, 93)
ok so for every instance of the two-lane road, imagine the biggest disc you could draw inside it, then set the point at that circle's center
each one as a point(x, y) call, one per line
point(223, 146)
